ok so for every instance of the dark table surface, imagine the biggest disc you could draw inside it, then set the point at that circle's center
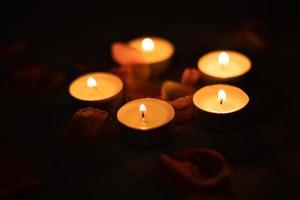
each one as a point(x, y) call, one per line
point(264, 154)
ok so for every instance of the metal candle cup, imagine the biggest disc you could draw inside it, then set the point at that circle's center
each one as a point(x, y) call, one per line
point(146, 121)
point(99, 89)
point(221, 106)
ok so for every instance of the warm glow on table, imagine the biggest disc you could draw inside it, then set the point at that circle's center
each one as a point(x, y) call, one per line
point(146, 114)
point(224, 64)
point(98, 86)
point(220, 99)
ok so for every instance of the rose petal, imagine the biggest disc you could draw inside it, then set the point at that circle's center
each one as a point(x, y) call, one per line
point(190, 77)
point(184, 108)
point(33, 79)
point(89, 125)
point(15, 177)
point(184, 115)
point(182, 102)
point(171, 90)
point(195, 168)
point(13, 49)
point(126, 55)
point(198, 196)
point(135, 86)
point(141, 89)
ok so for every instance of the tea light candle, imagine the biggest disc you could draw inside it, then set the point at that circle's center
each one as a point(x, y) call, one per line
point(146, 121)
point(224, 65)
point(156, 52)
point(220, 105)
point(99, 89)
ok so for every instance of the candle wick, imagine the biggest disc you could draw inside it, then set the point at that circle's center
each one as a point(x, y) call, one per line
point(95, 87)
point(221, 101)
point(143, 116)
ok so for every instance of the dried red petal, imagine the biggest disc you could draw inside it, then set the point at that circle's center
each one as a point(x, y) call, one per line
point(15, 177)
point(13, 49)
point(135, 84)
point(126, 55)
point(32, 79)
point(140, 89)
point(171, 90)
point(182, 103)
point(2, 143)
point(195, 168)
point(132, 72)
point(89, 125)
point(206, 196)
point(190, 77)
point(184, 108)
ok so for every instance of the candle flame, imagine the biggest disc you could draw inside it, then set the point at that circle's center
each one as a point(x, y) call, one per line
point(147, 44)
point(91, 82)
point(221, 96)
point(143, 108)
point(223, 58)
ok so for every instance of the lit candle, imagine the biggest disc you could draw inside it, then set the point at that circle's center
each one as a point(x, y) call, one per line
point(97, 89)
point(156, 52)
point(222, 103)
point(146, 121)
point(147, 45)
point(224, 65)
point(143, 110)
point(91, 83)
point(221, 96)
point(223, 59)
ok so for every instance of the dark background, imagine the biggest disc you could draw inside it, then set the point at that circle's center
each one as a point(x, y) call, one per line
point(264, 155)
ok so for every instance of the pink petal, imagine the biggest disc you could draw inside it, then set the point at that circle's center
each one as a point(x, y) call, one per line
point(126, 55)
